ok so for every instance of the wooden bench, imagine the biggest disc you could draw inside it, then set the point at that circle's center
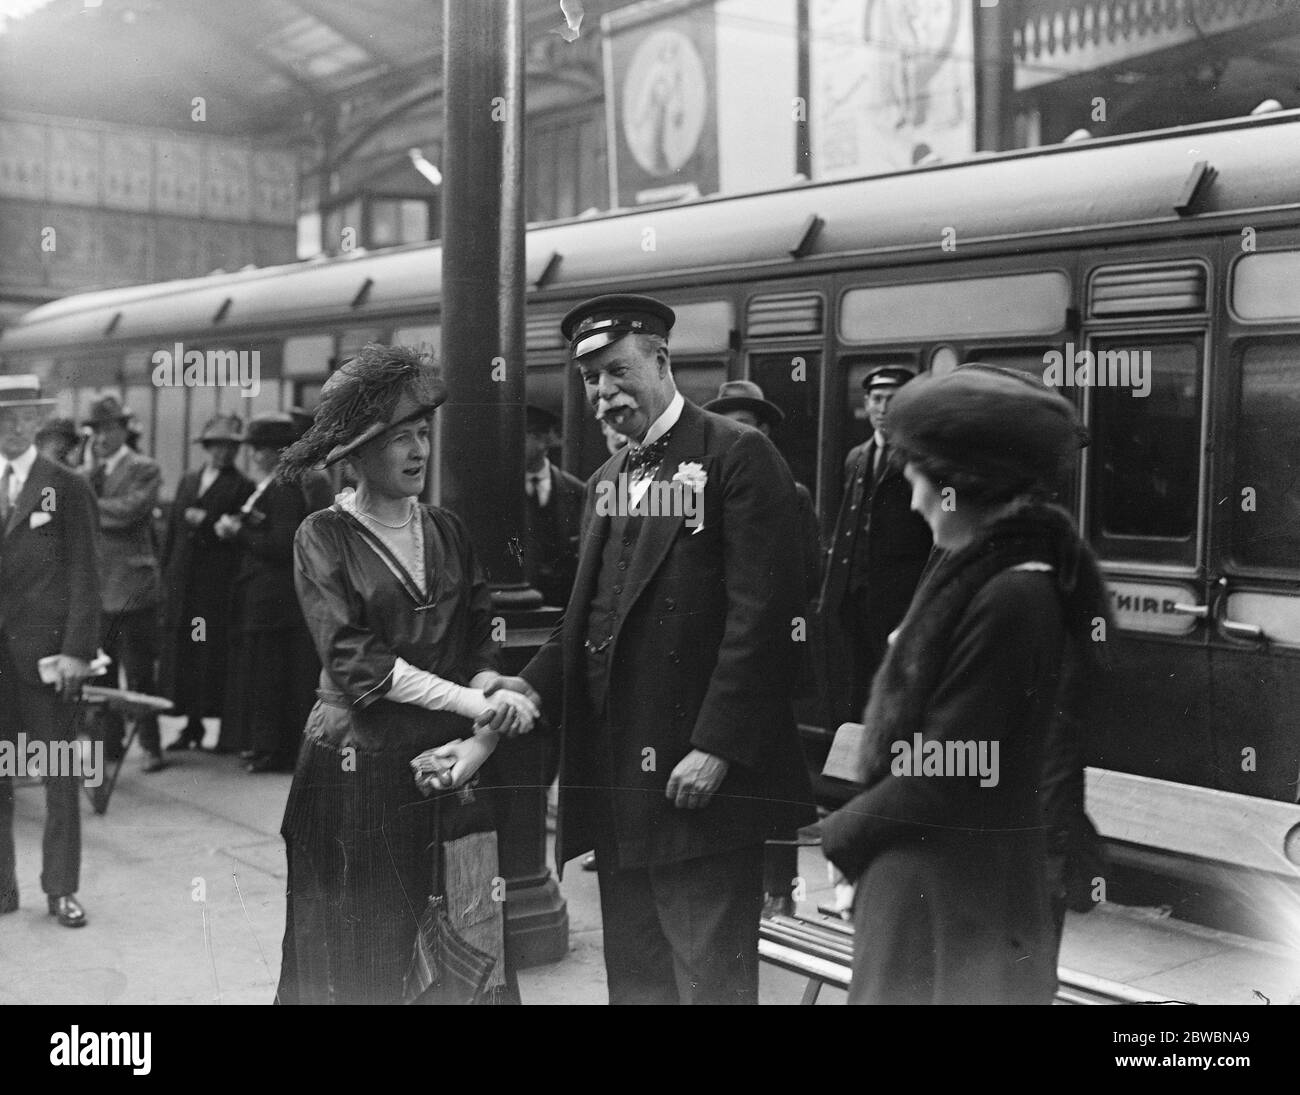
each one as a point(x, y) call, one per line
point(822, 951)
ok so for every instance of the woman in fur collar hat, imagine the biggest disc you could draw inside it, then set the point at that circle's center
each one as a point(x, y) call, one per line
point(949, 841)
point(401, 617)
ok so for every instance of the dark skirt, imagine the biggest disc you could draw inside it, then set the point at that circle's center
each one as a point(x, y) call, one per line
point(359, 838)
point(270, 692)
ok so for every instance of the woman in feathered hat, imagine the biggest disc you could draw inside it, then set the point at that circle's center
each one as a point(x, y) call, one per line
point(970, 771)
point(401, 617)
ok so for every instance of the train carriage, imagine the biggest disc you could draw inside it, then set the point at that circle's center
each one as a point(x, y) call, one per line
point(1155, 278)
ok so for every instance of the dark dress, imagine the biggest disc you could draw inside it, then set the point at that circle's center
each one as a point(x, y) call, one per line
point(273, 665)
point(198, 570)
point(359, 835)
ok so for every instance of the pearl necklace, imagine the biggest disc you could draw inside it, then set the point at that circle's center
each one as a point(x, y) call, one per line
point(376, 520)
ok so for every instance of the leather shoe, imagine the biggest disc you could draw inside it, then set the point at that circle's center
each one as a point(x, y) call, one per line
point(69, 911)
point(9, 902)
point(153, 763)
point(589, 862)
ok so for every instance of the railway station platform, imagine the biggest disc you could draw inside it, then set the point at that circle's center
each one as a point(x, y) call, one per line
point(183, 884)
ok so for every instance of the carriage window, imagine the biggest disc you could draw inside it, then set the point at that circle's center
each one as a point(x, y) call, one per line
point(1146, 448)
point(792, 380)
point(699, 381)
point(1000, 307)
point(1265, 495)
point(1267, 286)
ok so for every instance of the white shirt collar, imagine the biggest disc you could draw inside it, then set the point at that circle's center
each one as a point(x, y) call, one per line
point(544, 470)
point(22, 466)
point(110, 465)
point(879, 439)
point(665, 421)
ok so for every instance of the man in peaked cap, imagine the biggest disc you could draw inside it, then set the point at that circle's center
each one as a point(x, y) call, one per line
point(126, 486)
point(49, 612)
point(670, 675)
point(877, 553)
point(198, 569)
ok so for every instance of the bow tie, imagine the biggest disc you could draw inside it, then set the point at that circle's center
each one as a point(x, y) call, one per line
point(647, 456)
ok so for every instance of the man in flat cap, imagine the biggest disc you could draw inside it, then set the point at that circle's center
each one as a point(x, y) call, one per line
point(49, 620)
point(126, 486)
point(198, 570)
point(554, 511)
point(878, 551)
point(671, 673)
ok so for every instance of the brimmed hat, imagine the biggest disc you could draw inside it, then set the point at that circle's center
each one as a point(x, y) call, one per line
point(22, 390)
point(222, 427)
point(602, 321)
point(988, 421)
point(105, 410)
point(745, 395)
point(887, 376)
point(271, 431)
point(382, 387)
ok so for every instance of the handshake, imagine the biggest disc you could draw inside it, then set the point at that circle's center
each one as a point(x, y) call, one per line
point(513, 705)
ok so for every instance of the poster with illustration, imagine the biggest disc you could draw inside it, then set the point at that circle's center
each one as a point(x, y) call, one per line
point(660, 96)
point(892, 84)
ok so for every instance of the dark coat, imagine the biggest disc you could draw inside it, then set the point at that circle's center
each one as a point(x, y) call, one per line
point(198, 571)
point(701, 658)
point(49, 583)
point(953, 886)
point(128, 559)
point(263, 595)
point(898, 543)
point(551, 541)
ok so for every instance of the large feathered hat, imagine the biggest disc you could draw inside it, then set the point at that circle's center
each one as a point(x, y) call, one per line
point(382, 387)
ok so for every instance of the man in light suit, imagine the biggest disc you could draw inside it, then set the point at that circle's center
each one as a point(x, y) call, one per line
point(126, 488)
point(49, 608)
point(671, 673)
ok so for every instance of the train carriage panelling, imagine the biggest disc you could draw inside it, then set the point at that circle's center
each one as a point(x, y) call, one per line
point(1255, 549)
point(1141, 364)
point(784, 337)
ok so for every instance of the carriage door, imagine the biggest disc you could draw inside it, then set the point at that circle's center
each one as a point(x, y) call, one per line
point(1140, 366)
point(1255, 642)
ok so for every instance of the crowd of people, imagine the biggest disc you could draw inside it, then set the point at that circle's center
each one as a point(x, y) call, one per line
point(956, 597)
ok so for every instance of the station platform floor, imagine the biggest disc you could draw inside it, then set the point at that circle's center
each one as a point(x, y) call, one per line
point(183, 885)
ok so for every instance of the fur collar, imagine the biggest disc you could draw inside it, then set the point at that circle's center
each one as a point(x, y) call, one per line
point(1030, 532)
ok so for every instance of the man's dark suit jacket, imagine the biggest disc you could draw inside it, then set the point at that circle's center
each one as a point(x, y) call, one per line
point(49, 585)
point(702, 658)
point(551, 543)
point(264, 598)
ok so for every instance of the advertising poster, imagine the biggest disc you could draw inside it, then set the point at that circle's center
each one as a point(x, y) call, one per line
point(893, 84)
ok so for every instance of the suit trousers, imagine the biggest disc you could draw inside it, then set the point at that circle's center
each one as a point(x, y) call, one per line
point(131, 638)
point(40, 715)
point(868, 642)
point(683, 932)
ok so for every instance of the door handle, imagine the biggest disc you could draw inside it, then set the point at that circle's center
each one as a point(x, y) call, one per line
point(1234, 629)
point(1201, 612)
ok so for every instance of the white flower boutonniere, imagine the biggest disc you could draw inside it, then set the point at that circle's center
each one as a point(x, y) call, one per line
point(692, 476)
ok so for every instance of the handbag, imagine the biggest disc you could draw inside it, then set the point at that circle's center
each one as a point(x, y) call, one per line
point(445, 967)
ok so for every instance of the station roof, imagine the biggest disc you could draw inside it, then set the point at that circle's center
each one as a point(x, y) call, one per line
point(261, 66)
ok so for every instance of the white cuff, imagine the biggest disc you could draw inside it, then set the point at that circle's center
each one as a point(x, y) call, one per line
point(433, 693)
